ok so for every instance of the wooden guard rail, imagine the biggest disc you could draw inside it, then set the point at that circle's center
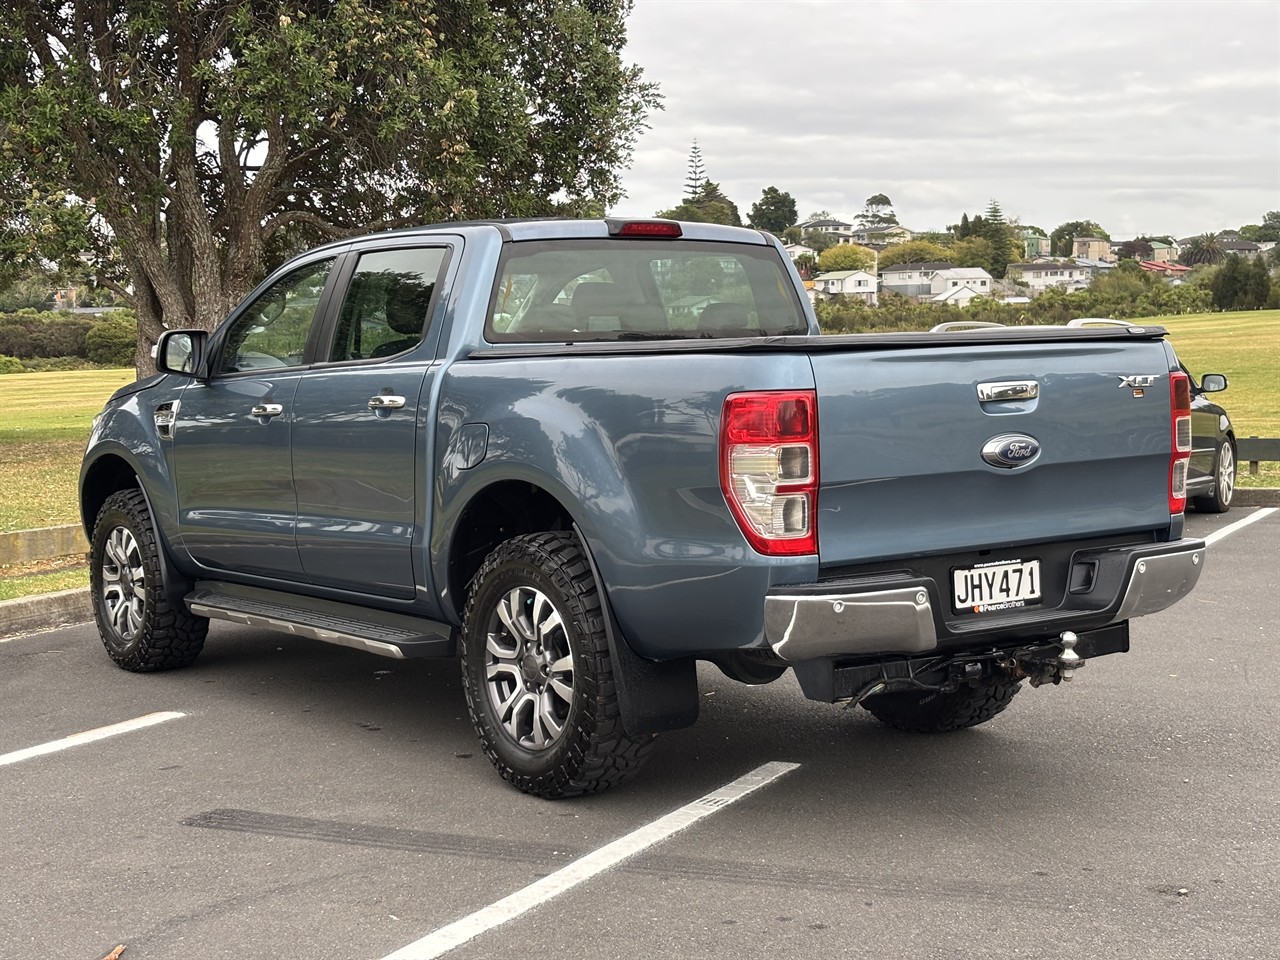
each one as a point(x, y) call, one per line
point(1252, 450)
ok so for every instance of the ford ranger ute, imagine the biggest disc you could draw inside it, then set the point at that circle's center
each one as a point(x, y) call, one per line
point(581, 456)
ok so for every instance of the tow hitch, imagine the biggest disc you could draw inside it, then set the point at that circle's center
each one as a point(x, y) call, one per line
point(1039, 665)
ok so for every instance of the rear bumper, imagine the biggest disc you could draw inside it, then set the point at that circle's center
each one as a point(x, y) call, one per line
point(905, 615)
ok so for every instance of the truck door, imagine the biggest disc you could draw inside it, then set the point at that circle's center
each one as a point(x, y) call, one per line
point(359, 436)
point(231, 437)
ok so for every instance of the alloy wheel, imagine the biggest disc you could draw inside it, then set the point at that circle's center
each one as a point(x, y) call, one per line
point(529, 668)
point(123, 583)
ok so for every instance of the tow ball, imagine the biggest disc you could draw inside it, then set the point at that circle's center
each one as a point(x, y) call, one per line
point(1052, 664)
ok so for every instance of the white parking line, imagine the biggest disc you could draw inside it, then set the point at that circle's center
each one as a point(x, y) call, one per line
point(89, 736)
point(584, 868)
point(1238, 525)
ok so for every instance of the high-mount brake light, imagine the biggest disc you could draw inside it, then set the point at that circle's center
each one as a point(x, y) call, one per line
point(769, 468)
point(1180, 450)
point(660, 229)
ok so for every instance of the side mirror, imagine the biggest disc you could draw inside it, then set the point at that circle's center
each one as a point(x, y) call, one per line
point(1213, 383)
point(180, 351)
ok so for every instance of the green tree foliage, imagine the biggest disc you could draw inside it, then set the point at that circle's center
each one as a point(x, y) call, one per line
point(192, 145)
point(31, 334)
point(1206, 248)
point(1240, 284)
point(1268, 230)
point(818, 241)
point(1136, 250)
point(708, 205)
point(11, 365)
point(1147, 295)
point(806, 265)
point(774, 211)
point(976, 252)
point(1062, 240)
point(112, 341)
point(847, 256)
point(878, 212)
point(914, 251)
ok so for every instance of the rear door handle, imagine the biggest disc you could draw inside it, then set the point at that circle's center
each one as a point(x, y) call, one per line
point(385, 402)
point(266, 410)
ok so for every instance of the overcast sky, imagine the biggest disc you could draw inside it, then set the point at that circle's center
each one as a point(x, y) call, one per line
point(1145, 117)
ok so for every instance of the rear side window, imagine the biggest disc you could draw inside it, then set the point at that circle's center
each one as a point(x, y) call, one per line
point(387, 304)
point(590, 290)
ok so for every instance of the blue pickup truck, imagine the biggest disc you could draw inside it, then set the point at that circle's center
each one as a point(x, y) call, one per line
point(582, 456)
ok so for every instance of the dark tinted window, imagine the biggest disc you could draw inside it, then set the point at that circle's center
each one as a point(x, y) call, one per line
point(561, 291)
point(386, 307)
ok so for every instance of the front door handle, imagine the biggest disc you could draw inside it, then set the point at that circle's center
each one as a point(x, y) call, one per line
point(385, 402)
point(266, 410)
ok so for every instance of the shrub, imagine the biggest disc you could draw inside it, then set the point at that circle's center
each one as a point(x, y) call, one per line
point(112, 342)
point(11, 365)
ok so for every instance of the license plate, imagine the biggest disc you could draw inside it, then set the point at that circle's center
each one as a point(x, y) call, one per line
point(991, 587)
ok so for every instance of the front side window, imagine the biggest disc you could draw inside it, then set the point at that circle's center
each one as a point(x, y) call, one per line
point(388, 302)
point(607, 289)
point(272, 333)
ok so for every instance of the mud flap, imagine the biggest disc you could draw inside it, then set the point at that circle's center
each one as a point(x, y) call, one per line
point(653, 695)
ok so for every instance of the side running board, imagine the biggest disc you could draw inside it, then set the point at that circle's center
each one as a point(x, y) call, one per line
point(377, 631)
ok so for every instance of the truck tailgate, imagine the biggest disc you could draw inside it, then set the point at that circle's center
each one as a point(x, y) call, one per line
point(902, 433)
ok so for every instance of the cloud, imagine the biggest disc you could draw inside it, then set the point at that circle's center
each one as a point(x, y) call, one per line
point(1163, 118)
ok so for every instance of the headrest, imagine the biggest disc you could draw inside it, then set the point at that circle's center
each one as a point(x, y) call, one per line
point(723, 316)
point(597, 300)
point(407, 307)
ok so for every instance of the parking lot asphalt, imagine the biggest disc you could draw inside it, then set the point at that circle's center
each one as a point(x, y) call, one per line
point(314, 802)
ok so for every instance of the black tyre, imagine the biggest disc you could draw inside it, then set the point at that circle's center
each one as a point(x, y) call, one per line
point(537, 673)
point(921, 711)
point(1224, 482)
point(141, 630)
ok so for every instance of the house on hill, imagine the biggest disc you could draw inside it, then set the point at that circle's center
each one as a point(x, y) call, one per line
point(1040, 275)
point(911, 279)
point(849, 283)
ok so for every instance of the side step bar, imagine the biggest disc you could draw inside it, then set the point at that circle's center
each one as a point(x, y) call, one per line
point(377, 631)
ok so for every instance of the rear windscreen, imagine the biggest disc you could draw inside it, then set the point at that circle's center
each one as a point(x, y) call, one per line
point(564, 291)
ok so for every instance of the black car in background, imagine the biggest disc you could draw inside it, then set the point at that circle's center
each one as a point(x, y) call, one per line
point(1211, 477)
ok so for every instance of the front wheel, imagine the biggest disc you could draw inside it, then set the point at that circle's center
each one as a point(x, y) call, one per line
point(537, 673)
point(1224, 482)
point(924, 711)
point(141, 630)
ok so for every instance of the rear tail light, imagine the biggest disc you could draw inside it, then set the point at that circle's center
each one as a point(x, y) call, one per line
point(769, 468)
point(1180, 454)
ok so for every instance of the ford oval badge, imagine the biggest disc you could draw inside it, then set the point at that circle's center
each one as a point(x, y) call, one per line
point(1010, 450)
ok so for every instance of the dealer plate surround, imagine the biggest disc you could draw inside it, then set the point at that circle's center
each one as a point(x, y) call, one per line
point(991, 587)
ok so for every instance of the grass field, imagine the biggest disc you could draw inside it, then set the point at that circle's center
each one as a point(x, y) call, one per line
point(45, 417)
point(44, 423)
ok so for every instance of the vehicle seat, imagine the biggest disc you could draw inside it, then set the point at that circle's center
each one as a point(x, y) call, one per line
point(726, 320)
point(548, 321)
point(406, 314)
point(604, 306)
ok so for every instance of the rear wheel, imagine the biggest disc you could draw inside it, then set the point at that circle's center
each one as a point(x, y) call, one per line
point(1224, 482)
point(537, 672)
point(923, 711)
point(141, 630)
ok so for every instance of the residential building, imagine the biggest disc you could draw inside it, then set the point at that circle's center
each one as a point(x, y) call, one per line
point(1245, 248)
point(911, 279)
point(799, 250)
point(838, 229)
point(881, 236)
point(849, 283)
point(1091, 248)
point(946, 281)
point(1034, 243)
point(1040, 275)
point(1163, 252)
point(956, 296)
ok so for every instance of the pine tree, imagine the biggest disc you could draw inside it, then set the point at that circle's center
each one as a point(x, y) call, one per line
point(697, 173)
